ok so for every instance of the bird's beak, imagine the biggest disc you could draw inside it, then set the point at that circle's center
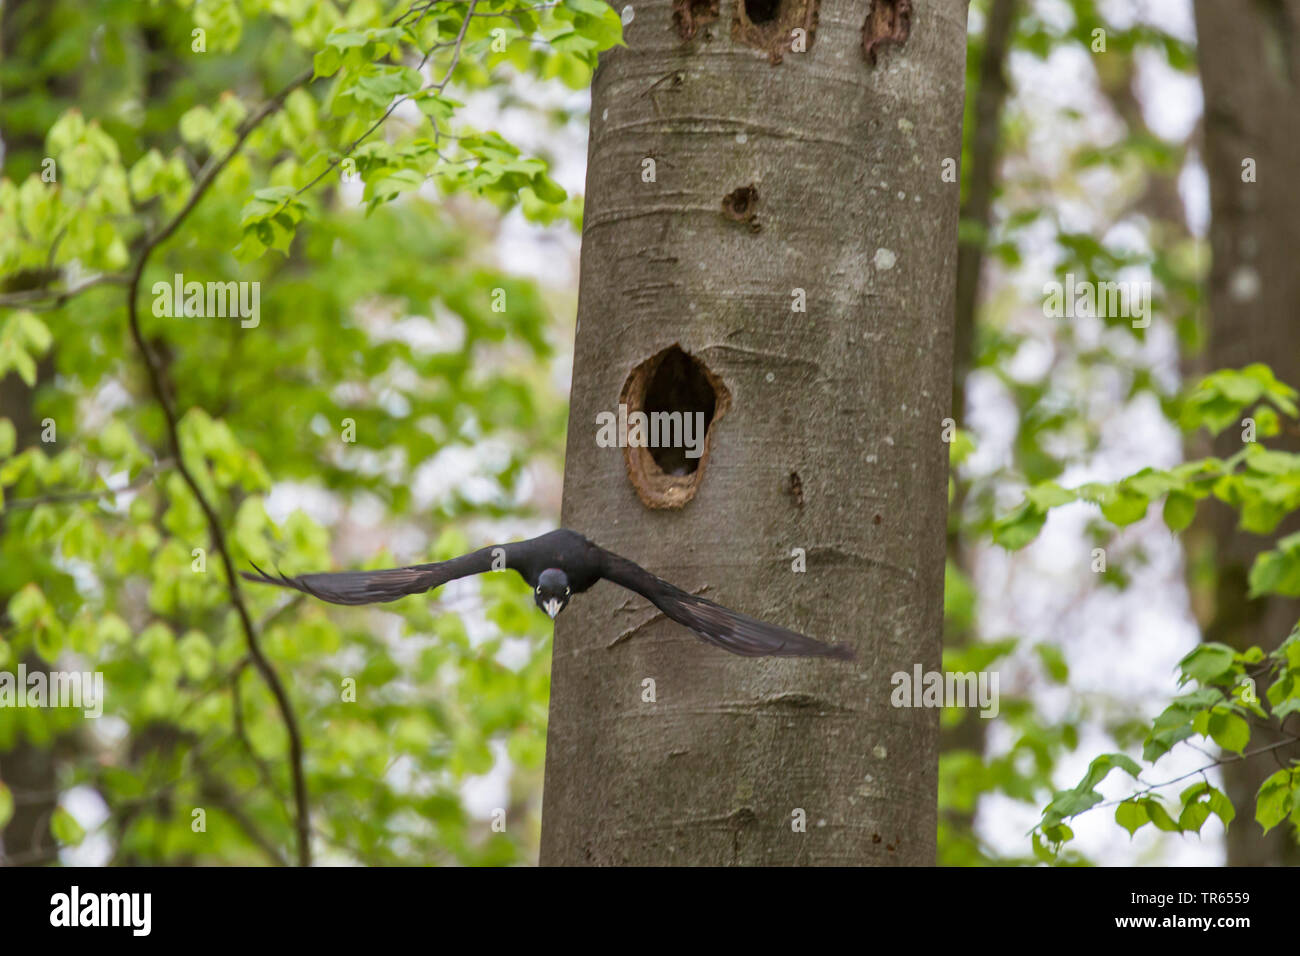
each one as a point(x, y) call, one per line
point(552, 607)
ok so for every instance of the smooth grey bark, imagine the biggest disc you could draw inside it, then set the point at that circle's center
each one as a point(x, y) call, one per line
point(831, 440)
point(1250, 73)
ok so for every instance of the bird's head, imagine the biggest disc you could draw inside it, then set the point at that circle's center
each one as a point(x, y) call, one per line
point(552, 592)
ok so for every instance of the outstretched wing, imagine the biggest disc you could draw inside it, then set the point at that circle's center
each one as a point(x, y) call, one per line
point(738, 633)
point(376, 587)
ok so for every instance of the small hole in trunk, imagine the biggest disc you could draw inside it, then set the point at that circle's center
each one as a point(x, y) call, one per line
point(762, 11)
point(776, 27)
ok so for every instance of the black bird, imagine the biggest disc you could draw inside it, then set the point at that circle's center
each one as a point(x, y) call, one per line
point(558, 565)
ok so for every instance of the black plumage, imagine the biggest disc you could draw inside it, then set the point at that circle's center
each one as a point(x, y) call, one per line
point(556, 566)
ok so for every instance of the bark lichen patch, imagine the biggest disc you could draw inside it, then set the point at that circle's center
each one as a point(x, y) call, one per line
point(671, 381)
point(776, 27)
point(741, 205)
point(890, 21)
point(690, 15)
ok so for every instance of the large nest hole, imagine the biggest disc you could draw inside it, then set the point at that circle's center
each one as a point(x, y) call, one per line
point(672, 400)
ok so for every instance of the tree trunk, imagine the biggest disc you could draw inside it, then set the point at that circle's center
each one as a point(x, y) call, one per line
point(778, 177)
point(986, 99)
point(1250, 67)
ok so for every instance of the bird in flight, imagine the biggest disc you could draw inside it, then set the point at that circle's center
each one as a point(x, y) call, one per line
point(558, 565)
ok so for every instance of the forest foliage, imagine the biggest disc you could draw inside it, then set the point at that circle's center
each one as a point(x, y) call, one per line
point(256, 142)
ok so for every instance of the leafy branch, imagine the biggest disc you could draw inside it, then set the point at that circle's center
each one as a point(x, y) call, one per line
point(457, 44)
point(1263, 485)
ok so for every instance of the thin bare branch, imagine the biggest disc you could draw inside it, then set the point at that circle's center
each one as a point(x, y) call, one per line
point(59, 498)
point(215, 529)
point(1235, 758)
point(44, 299)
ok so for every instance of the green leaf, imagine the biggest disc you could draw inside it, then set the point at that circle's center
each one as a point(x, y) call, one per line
point(1179, 511)
point(28, 605)
point(547, 189)
point(1103, 765)
point(197, 124)
point(384, 84)
point(1131, 815)
point(1193, 817)
point(1229, 731)
point(35, 332)
point(25, 366)
point(1049, 495)
point(1175, 723)
point(196, 655)
point(112, 630)
point(1020, 527)
point(1267, 422)
point(437, 107)
point(1286, 707)
point(1053, 660)
point(1042, 852)
point(1221, 806)
point(67, 831)
point(326, 62)
point(1209, 800)
point(1207, 662)
point(1069, 803)
point(1274, 800)
point(1159, 815)
point(1276, 572)
point(145, 175)
point(961, 447)
point(1125, 506)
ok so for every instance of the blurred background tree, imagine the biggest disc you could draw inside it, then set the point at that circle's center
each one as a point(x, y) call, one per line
point(1089, 136)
